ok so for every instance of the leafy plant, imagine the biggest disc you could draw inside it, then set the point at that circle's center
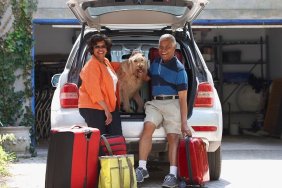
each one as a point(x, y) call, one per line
point(5, 157)
point(16, 65)
point(15, 56)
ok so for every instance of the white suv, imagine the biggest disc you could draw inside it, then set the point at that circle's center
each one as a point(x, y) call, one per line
point(138, 24)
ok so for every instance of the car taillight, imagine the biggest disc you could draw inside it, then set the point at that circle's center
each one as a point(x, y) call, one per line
point(203, 128)
point(204, 96)
point(69, 96)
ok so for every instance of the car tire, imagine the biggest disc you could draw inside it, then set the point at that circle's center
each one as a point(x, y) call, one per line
point(215, 164)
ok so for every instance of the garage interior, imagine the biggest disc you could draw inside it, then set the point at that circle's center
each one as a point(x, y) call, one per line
point(245, 63)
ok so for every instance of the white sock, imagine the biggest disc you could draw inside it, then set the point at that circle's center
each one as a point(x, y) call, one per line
point(173, 170)
point(143, 164)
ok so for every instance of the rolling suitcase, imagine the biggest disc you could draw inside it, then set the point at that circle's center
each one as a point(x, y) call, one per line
point(193, 167)
point(72, 159)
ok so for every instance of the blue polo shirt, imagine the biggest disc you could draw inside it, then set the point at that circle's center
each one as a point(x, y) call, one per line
point(168, 78)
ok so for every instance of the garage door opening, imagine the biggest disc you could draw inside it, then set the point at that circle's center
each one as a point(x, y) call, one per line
point(44, 70)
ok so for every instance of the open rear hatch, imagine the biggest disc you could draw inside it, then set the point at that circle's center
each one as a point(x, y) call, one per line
point(136, 14)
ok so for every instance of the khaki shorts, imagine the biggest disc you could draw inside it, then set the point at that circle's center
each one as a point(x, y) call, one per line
point(164, 113)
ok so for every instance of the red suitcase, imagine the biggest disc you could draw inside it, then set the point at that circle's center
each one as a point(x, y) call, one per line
point(116, 143)
point(193, 167)
point(72, 159)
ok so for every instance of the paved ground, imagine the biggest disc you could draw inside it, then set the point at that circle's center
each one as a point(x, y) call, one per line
point(248, 162)
point(27, 172)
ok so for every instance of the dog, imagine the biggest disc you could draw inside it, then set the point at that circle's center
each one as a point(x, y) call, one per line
point(131, 74)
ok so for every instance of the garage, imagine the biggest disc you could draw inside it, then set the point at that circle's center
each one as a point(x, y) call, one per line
point(50, 59)
point(242, 61)
point(243, 55)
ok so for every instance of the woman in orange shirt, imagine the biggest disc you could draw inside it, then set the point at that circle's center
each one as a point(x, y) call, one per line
point(97, 93)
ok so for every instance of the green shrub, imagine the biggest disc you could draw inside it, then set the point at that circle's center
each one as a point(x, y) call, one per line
point(5, 157)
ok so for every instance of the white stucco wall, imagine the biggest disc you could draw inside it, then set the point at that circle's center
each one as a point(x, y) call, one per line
point(242, 9)
point(216, 9)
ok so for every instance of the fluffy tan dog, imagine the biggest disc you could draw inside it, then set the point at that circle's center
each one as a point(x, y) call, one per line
point(131, 74)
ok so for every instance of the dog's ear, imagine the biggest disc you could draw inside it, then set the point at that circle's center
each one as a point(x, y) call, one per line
point(130, 61)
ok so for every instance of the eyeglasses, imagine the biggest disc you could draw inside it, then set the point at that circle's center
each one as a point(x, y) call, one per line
point(99, 47)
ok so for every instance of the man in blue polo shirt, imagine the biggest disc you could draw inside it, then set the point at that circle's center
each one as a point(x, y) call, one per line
point(168, 108)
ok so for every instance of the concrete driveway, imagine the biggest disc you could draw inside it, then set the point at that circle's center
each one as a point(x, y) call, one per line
point(248, 162)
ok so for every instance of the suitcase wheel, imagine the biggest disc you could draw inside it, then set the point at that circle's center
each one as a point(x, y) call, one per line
point(182, 184)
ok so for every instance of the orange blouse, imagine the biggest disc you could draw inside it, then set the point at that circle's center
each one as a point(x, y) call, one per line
point(97, 85)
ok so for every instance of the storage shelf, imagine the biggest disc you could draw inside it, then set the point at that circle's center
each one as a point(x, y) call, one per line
point(235, 83)
point(259, 60)
point(211, 43)
point(244, 63)
point(219, 63)
point(240, 112)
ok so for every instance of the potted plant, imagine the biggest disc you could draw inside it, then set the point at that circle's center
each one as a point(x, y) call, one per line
point(15, 76)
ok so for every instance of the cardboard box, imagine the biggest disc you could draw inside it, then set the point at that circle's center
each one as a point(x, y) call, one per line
point(271, 124)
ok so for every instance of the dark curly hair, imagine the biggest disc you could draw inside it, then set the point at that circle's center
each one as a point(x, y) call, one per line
point(98, 38)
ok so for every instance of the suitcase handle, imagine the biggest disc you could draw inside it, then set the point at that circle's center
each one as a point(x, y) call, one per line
point(76, 127)
point(107, 144)
point(189, 164)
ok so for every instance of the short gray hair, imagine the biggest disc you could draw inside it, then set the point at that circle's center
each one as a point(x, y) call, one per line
point(168, 37)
